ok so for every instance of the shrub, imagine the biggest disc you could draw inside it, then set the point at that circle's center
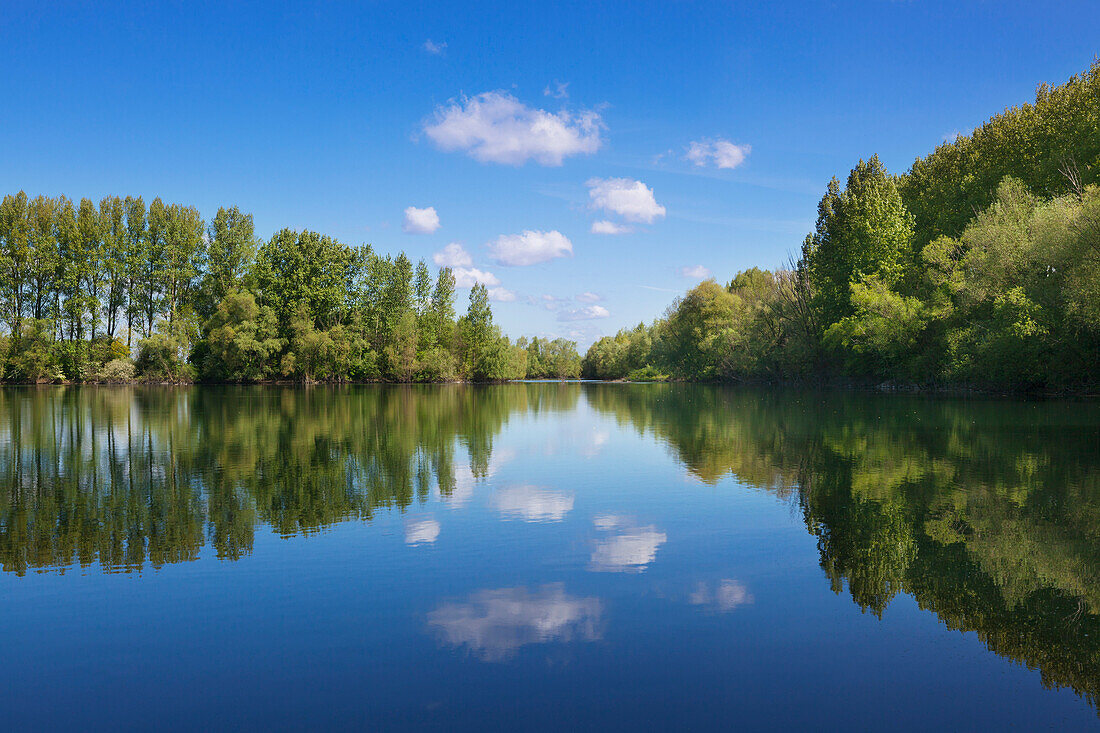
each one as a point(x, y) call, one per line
point(117, 371)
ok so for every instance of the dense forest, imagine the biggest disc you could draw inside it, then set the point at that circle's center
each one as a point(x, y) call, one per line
point(118, 291)
point(978, 267)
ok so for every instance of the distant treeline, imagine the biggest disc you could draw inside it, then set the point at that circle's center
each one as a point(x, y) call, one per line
point(117, 291)
point(979, 267)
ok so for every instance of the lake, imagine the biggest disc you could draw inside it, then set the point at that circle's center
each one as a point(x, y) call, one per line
point(546, 556)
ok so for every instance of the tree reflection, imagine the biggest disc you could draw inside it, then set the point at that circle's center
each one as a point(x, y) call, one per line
point(130, 476)
point(985, 511)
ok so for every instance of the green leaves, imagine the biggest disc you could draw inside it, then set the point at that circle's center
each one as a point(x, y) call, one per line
point(864, 230)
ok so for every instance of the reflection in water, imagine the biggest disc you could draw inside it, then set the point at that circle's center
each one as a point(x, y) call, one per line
point(630, 547)
point(421, 532)
point(727, 595)
point(532, 504)
point(129, 476)
point(494, 624)
point(986, 512)
point(466, 478)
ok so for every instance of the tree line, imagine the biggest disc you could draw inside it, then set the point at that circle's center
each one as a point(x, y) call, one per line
point(980, 266)
point(119, 290)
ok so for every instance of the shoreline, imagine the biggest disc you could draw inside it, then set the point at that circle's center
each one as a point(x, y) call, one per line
point(956, 390)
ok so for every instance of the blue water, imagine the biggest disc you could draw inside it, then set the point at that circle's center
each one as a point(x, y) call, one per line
point(600, 560)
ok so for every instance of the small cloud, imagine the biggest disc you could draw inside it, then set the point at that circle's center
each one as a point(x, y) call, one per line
point(661, 156)
point(588, 297)
point(420, 221)
point(435, 49)
point(630, 199)
point(588, 313)
point(609, 227)
point(453, 255)
point(721, 153)
point(495, 127)
point(501, 295)
point(467, 277)
point(695, 272)
point(530, 248)
point(421, 532)
point(558, 90)
point(552, 302)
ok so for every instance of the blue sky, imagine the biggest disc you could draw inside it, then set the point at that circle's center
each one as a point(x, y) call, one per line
point(707, 130)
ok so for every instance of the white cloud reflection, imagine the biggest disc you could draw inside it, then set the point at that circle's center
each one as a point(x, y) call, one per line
point(458, 492)
point(532, 504)
point(494, 624)
point(421, 531)
point(727, 595)
point(631, 548)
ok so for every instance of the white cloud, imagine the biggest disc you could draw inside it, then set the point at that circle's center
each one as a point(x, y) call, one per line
point(467, 277)
point(453, 255)
point(696, 272)
point(589, 297)
point(420, 221)
point(501, 295)
point(530, 248)
point(728, 594)
point(722, 153)
point(495, 127)
point(632, 548)
point(630, 199)
point(588, 313)
point(532, 504)
point(421, 531)
point(436, 49)
point(494, 624)
point(609, 227)
point(549, 302)
point(558, 90)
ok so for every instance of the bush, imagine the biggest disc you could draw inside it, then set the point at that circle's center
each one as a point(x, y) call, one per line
point(117, 371)
point(161, 358)
point(32, 354)
point(436, 365)
point(647, 373)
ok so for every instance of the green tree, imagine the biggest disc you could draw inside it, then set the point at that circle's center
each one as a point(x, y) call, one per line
point(16, 256)
point(112, 215)
point(242, 339)
point(232, 251)
point(135, 256)
point(862, 230)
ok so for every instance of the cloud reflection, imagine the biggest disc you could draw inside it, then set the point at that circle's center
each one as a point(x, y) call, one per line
point(494, 624)
point(728, 594)
point(532, 504)
point(421, 531)
point(631, 548)
point(465, 479)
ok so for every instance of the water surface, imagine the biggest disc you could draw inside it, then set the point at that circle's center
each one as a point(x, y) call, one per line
point(555, 556)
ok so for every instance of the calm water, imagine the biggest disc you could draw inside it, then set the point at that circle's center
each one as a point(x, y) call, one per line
point(546, 556)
